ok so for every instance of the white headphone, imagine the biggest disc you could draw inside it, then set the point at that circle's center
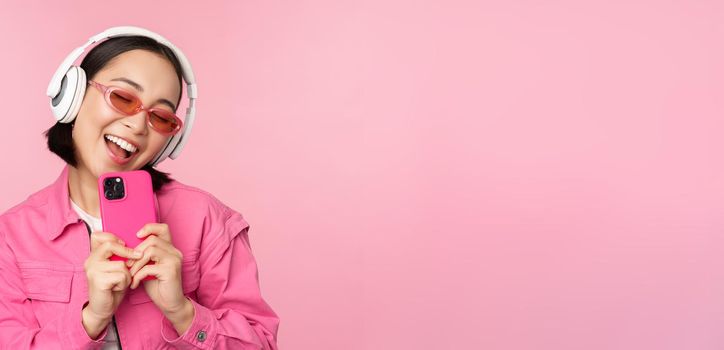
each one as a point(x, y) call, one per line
point(67, 88)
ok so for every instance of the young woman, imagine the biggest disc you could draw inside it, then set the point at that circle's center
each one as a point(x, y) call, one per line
point(58, 287)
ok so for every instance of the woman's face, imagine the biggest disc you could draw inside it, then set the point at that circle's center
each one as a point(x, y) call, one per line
point(150, 77)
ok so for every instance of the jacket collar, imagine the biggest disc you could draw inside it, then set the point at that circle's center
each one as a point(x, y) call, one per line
point(60, 213)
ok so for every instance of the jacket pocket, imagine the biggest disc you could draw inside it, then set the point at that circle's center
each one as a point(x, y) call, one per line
point(47, 281)
point(47, 288)
point(189, 282)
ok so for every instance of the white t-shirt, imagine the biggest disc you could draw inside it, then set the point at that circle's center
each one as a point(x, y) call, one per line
point(97, 225)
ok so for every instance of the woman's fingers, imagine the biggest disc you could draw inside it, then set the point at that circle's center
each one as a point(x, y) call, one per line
point(103, 267)
point(107, 249)
point(159, 229)
point(158, 235)
point(154, 241)
point(149, 241)
point(118, 281)
point(148, 270)
point(151, 253)
point(100, 242)
point(98, 238)
point(115, 280)
point(111, 266)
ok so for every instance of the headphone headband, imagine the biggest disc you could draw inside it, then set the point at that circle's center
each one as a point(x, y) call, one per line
point(67, 110)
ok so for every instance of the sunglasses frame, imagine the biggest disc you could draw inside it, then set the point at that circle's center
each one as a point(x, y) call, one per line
point(107, 90)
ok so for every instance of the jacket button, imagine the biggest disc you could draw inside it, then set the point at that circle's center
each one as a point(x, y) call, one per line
point(201, 336)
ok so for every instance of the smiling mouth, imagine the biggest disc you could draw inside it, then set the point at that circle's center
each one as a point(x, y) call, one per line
point(119, 147)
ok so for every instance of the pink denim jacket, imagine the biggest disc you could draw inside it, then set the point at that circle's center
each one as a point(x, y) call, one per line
point(43, 245)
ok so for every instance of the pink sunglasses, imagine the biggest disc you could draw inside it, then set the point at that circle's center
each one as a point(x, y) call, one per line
point(127, 103)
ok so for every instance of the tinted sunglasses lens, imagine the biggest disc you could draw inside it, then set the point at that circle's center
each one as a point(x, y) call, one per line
point(123, 101)
point(163, 121)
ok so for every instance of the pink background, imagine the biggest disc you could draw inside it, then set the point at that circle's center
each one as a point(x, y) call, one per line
point(439, 174)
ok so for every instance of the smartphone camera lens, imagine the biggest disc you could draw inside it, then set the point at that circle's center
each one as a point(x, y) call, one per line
point(113, 188)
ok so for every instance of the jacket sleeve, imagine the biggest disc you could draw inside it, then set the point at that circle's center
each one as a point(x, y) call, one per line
point(230, 312)
point(20, 329)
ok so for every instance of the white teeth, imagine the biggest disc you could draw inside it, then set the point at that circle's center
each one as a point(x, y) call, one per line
point(123, 144)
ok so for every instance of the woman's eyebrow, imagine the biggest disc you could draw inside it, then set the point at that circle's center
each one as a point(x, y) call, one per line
point(138, 87)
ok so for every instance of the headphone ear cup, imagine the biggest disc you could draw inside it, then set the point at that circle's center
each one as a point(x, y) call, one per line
point(78, 97)
point(66, 104)
point(167, 149)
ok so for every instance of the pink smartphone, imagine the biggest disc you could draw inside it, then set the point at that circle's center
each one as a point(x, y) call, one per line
point(127, 203)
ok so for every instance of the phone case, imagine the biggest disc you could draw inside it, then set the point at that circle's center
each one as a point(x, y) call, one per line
point(125, 216)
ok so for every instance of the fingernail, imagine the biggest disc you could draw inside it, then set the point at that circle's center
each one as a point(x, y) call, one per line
point(138, 234)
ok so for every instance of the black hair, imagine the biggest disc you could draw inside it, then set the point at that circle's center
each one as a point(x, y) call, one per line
point(60, 135)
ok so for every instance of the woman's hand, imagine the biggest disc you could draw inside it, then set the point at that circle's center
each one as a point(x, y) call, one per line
point(107, 280)
point(166, 290)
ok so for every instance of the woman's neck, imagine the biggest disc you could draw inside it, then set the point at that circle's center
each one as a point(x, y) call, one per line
point(83, 189)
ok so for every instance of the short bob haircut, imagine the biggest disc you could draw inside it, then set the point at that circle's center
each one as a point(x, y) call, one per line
point(60, 139)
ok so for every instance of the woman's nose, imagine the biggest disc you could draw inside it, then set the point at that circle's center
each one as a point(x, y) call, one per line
point(136, 122)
